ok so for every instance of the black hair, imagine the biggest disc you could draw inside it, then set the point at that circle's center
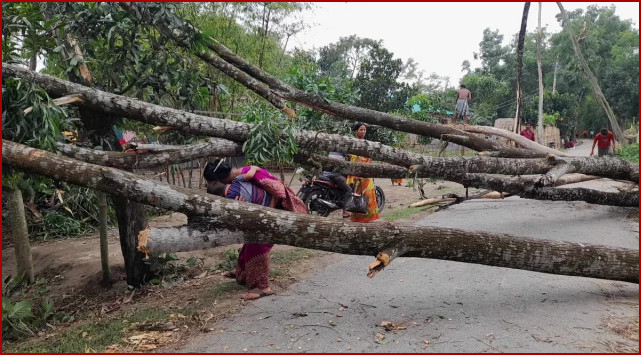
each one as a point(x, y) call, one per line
point(357, 125)
point(604, 132)
point(216, 188)
point(216, 170)
point(463, 86)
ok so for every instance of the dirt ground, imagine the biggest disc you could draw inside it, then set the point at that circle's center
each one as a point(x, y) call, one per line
point(68, 272)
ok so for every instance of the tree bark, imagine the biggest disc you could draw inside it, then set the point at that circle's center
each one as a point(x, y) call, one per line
point(246, 222)
point(177, 154)
point(202, 125)
point(104, 242)
point(518, 119)
point(540, 72)
point(20, 235)
point(517, 138)
point(598, 94)
point(525, 188)
point(451, 168)
point(556, 69)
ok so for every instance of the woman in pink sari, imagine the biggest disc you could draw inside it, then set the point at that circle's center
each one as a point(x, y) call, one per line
point(253, 261)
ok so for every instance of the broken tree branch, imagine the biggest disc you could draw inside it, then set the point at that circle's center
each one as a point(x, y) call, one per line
point(213, 147)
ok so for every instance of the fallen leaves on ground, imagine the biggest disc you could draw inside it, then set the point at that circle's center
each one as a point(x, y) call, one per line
point(389, 326)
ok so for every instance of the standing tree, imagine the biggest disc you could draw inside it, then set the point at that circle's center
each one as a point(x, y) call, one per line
point(519, 69)
point(539, 39)
point(598, 94)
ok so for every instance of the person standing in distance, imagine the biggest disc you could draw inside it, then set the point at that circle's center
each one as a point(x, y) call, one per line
point(463, 98)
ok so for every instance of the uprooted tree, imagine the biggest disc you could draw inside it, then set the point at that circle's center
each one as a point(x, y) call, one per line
point(493, 169)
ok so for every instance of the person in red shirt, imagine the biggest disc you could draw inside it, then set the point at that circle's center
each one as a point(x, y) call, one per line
point(528, 132)
point(605, 139)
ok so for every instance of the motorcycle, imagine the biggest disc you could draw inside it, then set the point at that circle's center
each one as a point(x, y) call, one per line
point(322, 197)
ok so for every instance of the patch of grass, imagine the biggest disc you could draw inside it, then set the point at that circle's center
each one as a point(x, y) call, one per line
point(284, 257)
point(403, 213)
point(629, 153)
point(220, 290)
point(276, 272)
point(94, 337)
point(98, 336)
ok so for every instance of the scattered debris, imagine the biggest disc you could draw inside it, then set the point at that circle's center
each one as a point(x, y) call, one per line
point(380, 338)
point(389, 326)
point(156, 326)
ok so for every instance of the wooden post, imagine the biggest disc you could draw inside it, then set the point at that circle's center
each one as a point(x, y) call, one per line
point(104, 242)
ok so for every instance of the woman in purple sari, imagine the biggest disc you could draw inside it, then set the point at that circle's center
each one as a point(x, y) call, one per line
point(256, 185)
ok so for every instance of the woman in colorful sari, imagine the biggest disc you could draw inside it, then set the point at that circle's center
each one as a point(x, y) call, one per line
point(286, 197)
point(255, 185)
point(363, 186)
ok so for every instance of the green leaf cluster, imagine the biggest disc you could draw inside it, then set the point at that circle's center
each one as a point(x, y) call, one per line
point(629, 153)
point(20, 317)
point(271, 138)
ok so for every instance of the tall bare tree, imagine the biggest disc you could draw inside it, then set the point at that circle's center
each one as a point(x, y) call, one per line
point(518, 118)
point(539, 39)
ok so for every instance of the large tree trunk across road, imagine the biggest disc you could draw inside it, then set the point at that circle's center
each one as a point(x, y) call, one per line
point(244, 222)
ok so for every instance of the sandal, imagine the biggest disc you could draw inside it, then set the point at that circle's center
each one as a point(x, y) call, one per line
point(229, 274)
point(260, 294)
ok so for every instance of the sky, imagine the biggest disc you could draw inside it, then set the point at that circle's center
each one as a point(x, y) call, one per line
point(439, 36)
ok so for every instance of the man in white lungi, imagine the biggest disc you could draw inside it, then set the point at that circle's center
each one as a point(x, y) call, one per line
point(463, 97)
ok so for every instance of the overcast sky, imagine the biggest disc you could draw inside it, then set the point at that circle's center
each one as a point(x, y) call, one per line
point(439, 36)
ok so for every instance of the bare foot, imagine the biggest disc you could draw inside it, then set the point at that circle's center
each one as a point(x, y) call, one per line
point(256, 294)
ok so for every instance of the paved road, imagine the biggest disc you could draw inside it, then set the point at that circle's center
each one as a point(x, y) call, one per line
point(451, 306)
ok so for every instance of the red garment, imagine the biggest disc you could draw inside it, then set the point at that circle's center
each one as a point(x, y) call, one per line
point(528, 134)
point(604, 141)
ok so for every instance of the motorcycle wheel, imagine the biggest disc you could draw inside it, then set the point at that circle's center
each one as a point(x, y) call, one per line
point(380, 198)
point(314, 207)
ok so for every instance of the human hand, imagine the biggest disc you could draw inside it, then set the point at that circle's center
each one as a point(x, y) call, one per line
point(591, 153)
point(240, 198)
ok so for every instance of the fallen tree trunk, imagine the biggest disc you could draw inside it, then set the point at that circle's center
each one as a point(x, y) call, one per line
point(267, 86)
point(228, 148)
point(308, 140)
point(203, 125)
point(525, 189)
point(451, 168)
point(180, 154)
point(522, 141)
point(430, 201)
point(253, 223)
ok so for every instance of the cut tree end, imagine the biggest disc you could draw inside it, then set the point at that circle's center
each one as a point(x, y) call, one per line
point(143, 238)
point(382, 260)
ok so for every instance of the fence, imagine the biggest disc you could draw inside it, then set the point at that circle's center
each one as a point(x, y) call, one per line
point(552, 137)
point(551, 134)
